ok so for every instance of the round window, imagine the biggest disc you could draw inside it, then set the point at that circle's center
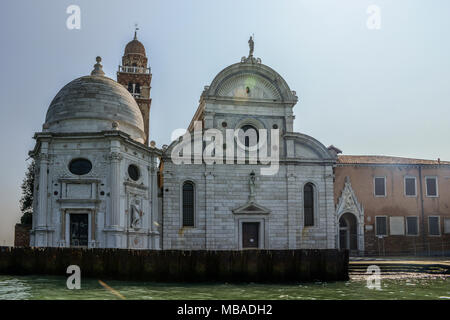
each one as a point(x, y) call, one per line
point(250, 135)
point(80, 166)
point(133, 172)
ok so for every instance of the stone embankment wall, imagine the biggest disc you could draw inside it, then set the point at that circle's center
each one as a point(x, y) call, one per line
point(180, 266)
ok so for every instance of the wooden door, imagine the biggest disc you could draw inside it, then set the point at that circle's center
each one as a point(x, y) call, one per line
point(250, 235)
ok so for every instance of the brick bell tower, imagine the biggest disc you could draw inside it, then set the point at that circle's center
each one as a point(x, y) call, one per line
point(134, 75)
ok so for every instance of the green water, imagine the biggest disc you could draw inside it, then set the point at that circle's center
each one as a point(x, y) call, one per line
point(54, 288)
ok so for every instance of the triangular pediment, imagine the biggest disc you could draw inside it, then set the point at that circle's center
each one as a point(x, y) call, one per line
point(251, 208)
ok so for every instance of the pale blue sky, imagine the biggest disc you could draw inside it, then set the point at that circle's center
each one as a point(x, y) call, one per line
point(365, 91)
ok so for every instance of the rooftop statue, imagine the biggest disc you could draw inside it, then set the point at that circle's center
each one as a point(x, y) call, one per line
point(251, 44)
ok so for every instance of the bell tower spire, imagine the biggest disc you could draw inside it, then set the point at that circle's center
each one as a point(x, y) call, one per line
point(135, 75)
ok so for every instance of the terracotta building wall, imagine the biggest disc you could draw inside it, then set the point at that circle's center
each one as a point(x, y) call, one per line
point(396, 203)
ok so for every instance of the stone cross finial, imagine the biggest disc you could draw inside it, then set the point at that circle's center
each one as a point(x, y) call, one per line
point(135, 31)
point(98, 71)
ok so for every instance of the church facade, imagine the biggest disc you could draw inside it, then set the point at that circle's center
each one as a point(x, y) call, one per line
point(232, 202)
point(240, 178)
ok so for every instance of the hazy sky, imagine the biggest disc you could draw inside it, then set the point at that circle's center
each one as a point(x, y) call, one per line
point(366, 91)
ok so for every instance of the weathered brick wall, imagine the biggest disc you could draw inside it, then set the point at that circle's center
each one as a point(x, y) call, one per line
point(180, 266)
point(410, 245)
point(144, 102)
point(22, 235)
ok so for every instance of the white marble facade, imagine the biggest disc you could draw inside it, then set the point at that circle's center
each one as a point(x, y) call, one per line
point(96, 119)
point(250, 93)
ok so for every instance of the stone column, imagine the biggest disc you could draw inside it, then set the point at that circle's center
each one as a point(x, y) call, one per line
point(209, 210)
point(292, 205)
point(115, 158)
point(114, 237)
point(290, 122)
point(209, 120)
point(42, 211)
point(330, 209)
point(41, 228)
point(153, 182)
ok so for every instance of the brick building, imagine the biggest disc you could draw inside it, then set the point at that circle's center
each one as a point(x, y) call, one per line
point(22, 235)
point(392, 205)
point(135, 75)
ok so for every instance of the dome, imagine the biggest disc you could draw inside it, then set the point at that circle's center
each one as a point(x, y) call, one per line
point(95, 103)
point(135, 47)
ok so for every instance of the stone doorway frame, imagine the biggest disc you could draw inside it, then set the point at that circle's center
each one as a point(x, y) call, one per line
point(348, 203)
point(66, 216)
point(261, 233)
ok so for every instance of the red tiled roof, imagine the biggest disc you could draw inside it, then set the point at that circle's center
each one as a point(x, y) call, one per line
point(353, 159)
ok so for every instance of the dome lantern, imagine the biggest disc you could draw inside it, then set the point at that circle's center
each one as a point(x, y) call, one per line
point(98, 68)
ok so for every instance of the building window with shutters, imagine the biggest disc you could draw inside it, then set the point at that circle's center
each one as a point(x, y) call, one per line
point(431, 186)
point(308, 204)
point(381, 226)
point(434, 228)
point(379, 184)
point(412, 226)
point(410, 187)
point(188, 204)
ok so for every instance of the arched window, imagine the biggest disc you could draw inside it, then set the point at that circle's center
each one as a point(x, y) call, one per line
point(308, 204)
point(188, 204)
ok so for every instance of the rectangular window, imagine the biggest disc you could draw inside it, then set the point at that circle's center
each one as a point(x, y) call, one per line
point(380, 186)
point(410, 186)
point(433, 226)
point(431, 184)
point(381, 226)
point(396, 226)
point(447, 225)
point(412, 226)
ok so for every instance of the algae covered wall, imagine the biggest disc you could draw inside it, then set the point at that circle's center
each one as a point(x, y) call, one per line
point(180, 266)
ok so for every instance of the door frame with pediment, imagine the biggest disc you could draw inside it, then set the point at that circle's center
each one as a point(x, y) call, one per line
point(348, 203)
point(251, 213)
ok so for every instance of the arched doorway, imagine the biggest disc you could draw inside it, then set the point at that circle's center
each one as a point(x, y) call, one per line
point(348, 232)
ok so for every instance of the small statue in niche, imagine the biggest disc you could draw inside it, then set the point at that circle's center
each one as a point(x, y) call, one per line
point(136, 214)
